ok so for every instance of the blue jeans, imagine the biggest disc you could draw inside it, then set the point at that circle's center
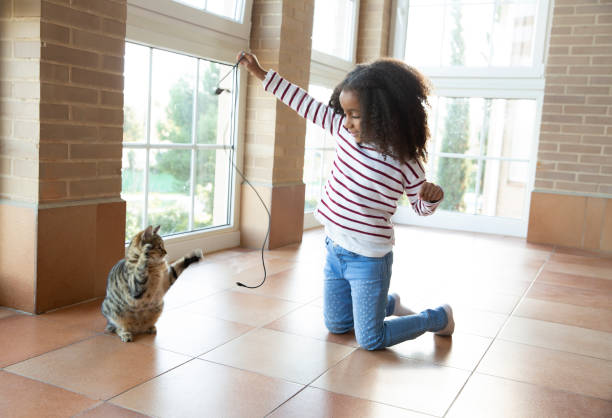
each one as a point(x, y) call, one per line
point(356, 296)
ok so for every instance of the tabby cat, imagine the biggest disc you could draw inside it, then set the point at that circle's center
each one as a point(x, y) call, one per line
point(137, 284)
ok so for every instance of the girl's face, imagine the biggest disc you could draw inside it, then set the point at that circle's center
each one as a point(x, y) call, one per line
point(349, 100)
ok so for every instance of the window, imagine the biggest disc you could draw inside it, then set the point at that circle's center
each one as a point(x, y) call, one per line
point(318, 155)
point(333, 55)
point(231, 9)
point(177, 142)
point(485, 60)
point(334, 28)
point(179, 137)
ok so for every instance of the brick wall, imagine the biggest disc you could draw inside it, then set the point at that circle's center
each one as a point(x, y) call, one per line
point(61, 128)
point(373, 32)
point(575, 151)
point(274, 144)
point(19, 99)
point(81, 99)
point(572, 202)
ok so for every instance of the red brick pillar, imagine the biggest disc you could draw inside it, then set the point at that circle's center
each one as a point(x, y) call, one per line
point(61, 151)
point(274, 146)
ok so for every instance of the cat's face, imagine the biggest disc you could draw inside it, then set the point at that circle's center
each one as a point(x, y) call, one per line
point(157, 246)
point(150, 236)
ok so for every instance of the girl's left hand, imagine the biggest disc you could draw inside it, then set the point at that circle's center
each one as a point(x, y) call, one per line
point(431, 192)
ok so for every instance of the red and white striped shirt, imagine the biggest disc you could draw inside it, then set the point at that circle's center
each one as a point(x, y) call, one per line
point(364, 186)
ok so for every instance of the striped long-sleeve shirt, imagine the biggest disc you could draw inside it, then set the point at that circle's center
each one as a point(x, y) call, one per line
point(364, 186)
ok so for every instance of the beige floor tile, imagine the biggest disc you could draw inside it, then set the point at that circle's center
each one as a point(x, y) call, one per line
point(313, 402)
point(553, 369)
point(308, 321)
point(203, 389)
point(297, 284)
point(23, 397)
point(5, 312)
point(462, 351)
point(277, 354)
point(560, 337)
point(576, 281)
point(482, 323)
point(100, 367)
point(244, 308)
point(604, 272)
point(563, 313)
point(571, 295)
point(388, 378)
point(25, 336)
point(488, 396)
point(192, 334)
point(584, 257)
point(107, 410)
point(186, 292)
point(86, 315)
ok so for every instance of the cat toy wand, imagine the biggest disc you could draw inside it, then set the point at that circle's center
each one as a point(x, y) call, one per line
point(218, 91)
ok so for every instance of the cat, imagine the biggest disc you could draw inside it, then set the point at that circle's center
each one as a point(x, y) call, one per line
point(137, 284)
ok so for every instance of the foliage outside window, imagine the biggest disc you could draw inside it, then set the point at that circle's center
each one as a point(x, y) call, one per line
point(177, 142)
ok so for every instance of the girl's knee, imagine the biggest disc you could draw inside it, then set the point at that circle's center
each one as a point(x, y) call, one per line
point(372, 345)
point(371, 342)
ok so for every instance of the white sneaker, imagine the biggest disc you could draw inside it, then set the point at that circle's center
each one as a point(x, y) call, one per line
point(450, 326)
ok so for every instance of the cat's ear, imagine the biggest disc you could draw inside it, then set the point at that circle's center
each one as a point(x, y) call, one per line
point(148, 233)
point(156, 229)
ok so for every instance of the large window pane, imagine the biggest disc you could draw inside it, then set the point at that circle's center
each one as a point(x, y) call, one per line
point(318, 155)
point(169, 192)
point(214, 110)
point(136, 92)
point(132, 189)
point(471, 33)
point(173, 81)
point(503, 189)
point(458, 178)
point(188, 176)
point(333, 28)
point(510, 128)
point(211, 202)
point(230, 9)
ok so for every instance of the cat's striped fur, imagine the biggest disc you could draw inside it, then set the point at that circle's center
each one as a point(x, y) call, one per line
point(137, 284)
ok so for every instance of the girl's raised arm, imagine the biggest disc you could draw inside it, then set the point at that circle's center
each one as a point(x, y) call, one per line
point(293, 96)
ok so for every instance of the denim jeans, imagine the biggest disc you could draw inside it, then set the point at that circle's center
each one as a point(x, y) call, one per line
point(356, 296)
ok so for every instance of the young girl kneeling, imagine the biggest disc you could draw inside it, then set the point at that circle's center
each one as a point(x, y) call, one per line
point(377, 116)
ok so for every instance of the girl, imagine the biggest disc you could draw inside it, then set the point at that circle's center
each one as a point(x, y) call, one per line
point(377, 116)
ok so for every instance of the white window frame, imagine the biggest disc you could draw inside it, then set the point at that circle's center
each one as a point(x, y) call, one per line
point(328, 71)
point(175, 27)
point(489, 83)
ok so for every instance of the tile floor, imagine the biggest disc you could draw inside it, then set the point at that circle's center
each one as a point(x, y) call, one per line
point(533, 339)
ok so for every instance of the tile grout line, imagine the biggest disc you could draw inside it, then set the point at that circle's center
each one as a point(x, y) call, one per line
point(495, 338)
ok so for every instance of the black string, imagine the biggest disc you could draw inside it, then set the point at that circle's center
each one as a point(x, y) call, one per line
point(218, 91)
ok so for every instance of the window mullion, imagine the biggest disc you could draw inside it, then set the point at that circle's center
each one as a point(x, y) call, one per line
point(145, 212)
point(194, 127)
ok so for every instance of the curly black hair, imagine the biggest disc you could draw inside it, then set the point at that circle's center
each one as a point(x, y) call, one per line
point(393, 101)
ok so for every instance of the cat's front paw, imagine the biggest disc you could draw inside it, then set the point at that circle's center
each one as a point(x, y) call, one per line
point(197, 254)
point(126, 336)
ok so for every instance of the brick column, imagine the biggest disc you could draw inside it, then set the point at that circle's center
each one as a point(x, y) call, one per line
point(66, 145)
point(274, 146)
point(572, 201)
point(373, 33)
